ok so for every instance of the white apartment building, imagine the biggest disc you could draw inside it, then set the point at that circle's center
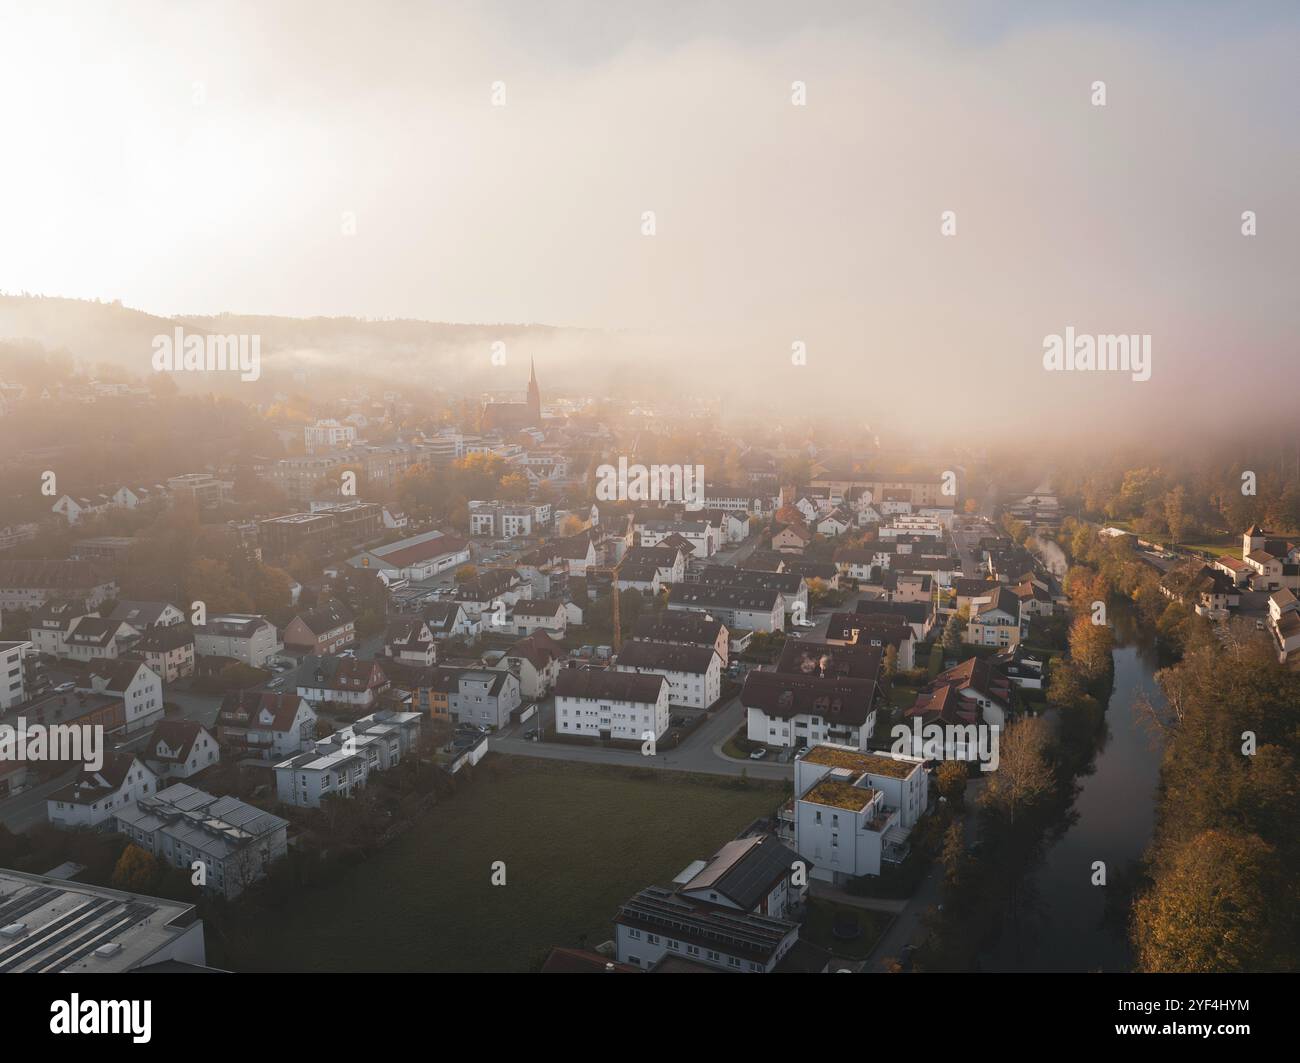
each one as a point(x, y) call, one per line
point(16, 661)
point(342, 763)
point(484, 696)
point(508, 520)
point(996, 620)
point(178, 749)
point(93, 798)
point(853, 810)
point(694, 673)
point(794, 709)
point(231, 842)
point(737, 607)
point(704, 537)
point(137, 686)
point(327, 435)
point(611, 704)
point(250, 639)
point(540, 614)
point(660, 924)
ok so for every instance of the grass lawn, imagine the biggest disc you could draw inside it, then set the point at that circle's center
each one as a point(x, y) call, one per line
point(902, 697)
point(738, 747)
point(821, 918)
point(1227, 548)
point(577, 840)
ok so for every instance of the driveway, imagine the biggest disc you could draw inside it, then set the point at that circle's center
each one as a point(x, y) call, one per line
point(701, 752)
point(907, 929)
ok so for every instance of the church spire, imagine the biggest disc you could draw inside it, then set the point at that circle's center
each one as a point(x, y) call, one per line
point(534, 392)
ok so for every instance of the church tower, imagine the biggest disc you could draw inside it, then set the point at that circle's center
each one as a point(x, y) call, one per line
point(534, 394)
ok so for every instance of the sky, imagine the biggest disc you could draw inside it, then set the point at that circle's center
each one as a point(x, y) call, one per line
point(334, 159)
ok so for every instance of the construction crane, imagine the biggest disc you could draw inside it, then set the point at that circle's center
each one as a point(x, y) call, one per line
point(615, 616)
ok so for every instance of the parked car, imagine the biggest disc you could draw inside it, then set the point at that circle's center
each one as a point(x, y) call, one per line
point(758, 754)
point(65, 688)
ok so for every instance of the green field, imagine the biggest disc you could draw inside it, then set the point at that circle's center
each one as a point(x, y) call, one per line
point(576, 842)
point(1227, 548)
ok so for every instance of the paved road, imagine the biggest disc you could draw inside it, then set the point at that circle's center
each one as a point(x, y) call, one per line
point(27, 809)
point(24, 811)
point(908, 929)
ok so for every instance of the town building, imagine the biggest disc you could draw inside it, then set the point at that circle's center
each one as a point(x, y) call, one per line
point(539, 614)
point(179, 749)
point(483, 696)
point(410, 640)
point(137, 686)
point(93, 798)
point(253, 640)
point(508, 520)
point(342, 682)
point(684, 627)
point(264, 726)
point(536, 662)
point(232, 843)
point(327, 435)
point(796, 709)
point(117, 932)
point(341, 764)
point(416, 558)
point(694, 673)
point(327, 629)
point(737, 607)
point(30, 584)
point(660, 927)
point(168, 651)
point(21, 675)
point(853, 811)
point(996, 621)
point(611, 704)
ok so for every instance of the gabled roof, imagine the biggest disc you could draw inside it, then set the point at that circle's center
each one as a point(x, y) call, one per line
point(708, 595)
point(93, 631)
point(326, 616)
point(165, 638)
point(911, 612)
point(670, 657)
point(813, 657)
point(744, 871)
point(487, 585)
point(678, 625)
point(1004, 601)
point(178, 736)
point(92, 786)
point(547, 607)
point(418, 548)
point(839, 700)
point(242, 709)
point(539, 649)
point(639, 687)
point(140, 614)
point(340, 673)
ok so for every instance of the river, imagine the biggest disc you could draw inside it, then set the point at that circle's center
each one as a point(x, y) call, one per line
point(1065, 923)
